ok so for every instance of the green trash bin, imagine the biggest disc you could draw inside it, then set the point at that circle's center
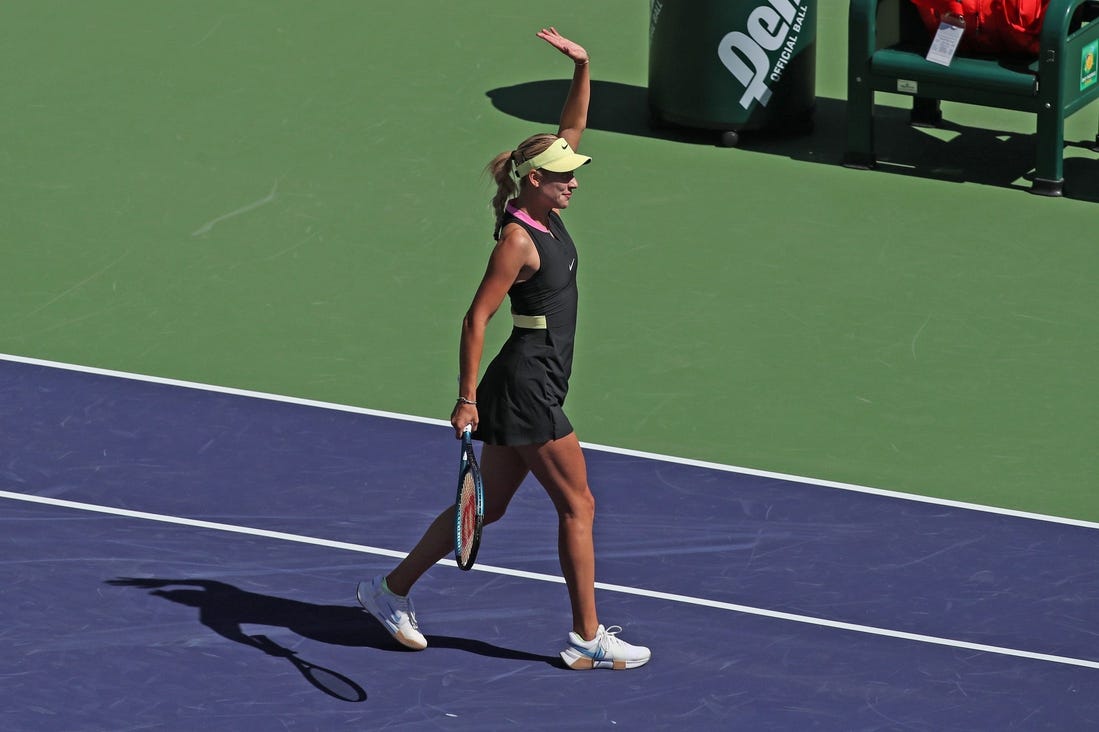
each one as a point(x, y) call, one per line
point(733, 65)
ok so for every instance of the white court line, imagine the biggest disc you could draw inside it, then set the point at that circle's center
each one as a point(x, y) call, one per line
point(652, 594)
point(535, 575)
point(589, 446)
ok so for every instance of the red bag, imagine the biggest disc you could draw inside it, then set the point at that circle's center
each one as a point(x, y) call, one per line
point(991, 26)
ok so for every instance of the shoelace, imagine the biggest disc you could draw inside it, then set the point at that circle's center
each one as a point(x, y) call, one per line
point(404, 604)
point(610, 636)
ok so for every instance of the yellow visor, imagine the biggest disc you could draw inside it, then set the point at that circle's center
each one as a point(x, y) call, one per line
point(557, 158)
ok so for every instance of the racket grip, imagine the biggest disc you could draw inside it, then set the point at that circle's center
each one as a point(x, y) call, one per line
point(468, 430)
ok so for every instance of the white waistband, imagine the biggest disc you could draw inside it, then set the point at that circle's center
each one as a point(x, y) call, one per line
point(532, 322)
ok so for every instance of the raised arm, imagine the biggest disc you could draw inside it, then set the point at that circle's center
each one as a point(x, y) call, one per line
point(574, 115)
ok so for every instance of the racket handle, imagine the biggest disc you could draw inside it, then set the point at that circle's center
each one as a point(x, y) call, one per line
point(468, 430)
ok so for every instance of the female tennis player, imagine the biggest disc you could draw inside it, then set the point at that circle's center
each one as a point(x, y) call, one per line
point(517, 409)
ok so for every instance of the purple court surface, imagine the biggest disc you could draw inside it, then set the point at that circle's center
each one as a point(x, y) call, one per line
point(184, 558)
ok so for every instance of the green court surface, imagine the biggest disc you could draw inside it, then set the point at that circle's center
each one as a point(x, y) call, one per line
point(287, 197)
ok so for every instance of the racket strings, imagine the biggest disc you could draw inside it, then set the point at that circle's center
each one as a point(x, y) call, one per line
point(467, 507)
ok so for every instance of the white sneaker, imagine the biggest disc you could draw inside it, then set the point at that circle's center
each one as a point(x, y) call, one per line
point(607, 650)
point(392, 611)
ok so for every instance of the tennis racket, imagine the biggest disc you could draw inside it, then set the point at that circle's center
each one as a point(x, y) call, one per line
point(469, 508)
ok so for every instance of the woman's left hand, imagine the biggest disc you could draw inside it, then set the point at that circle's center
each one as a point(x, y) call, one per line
point(570, 48)
point(463, 415)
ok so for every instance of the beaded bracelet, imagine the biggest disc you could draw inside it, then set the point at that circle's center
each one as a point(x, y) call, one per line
point(463, 400)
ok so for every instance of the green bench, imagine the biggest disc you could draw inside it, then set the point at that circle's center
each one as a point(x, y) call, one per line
point(886, 49)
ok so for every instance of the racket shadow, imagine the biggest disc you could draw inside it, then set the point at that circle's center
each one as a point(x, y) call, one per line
point(224, 609)
point(330, 682)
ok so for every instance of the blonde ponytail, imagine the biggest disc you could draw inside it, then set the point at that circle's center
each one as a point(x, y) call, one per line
point(502, 169)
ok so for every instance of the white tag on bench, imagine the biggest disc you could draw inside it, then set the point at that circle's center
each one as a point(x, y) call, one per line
point(946, 41)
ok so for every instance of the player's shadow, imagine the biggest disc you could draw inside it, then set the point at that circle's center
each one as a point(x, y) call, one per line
point(224, 609)
point(951, 153)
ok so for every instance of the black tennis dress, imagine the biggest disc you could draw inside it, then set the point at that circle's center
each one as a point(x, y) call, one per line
point(520, 398)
